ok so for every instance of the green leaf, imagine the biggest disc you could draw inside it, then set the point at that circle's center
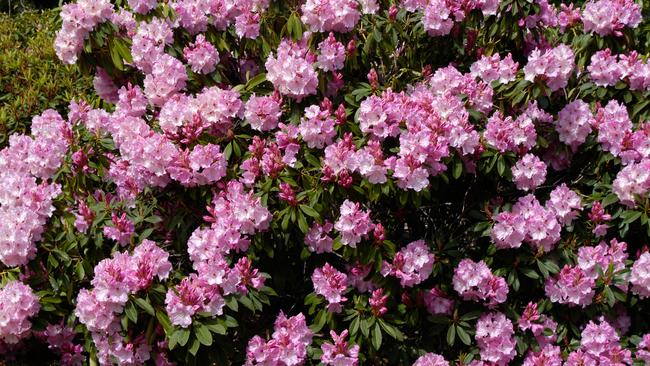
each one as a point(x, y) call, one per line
point(457, 170)
point(145, 305)
point(164, 322)
point(609, 200)
point(309, 211)
point(501, 165)
point(319, 322)
point(183, 336)
point(630, 216)
point(217, 328)
point(464, 337)
point(196, 344)
point(131, 312)
point(302, 223)
point(255, 81)
point(376, 336)
point(451, 335)
point(203, 334)
point(354, 326)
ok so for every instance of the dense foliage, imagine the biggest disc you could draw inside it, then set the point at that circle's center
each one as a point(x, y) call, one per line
point(32, 78)
point(344, 182)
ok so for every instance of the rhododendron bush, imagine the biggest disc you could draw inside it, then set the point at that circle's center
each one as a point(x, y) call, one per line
point(343, 182)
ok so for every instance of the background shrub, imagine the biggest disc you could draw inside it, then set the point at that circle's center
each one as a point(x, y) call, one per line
point(32, 79)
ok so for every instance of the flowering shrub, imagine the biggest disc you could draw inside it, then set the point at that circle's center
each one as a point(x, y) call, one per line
point(345, 182)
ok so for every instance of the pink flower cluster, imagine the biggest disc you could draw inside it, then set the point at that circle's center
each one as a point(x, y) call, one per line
point(640, 276)
point(493, 68)
point(339, 353)
point(439, 15)
point(576, 285)
point(116, 278)
point(18, 303)
point(204, 165)
point(431, 359)
point(412, 264)
point(508, 134)
point(291, 69)
point(354, 224)
point(599, 346)
point(331, 54)
point(553, 66)
point(318, 239)
point(317, 127)
point(288, 344)
point(330, 15)
point(60, 340)
point(25, 194)
point(606, 69)
point(537, 323)
point(331, 284)
point(79, 19)
point(631, 182)
point(494, 336)
point(529, 172)
point(194, 294)
point(574, 123)
point(201, 55)
point(474, 281)
point(263, 112)
point(605, 17)
point(531, 222)
point(437, 302)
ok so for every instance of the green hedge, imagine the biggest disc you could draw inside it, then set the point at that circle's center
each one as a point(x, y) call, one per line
point(32, 79)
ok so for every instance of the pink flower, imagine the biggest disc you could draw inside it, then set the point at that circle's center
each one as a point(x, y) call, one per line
point(494, 336)
point(122, 229)
point(574, 123)
point(353, 224)
point(550, 355)
point(571, 286)
point(604, 69)
point(606, 17)
point(508, 230)
point(631, 181)
point(529, 172)
point(167, 77)
point(542, 228)
point(437, 302)
point(288, 345)
point(331, 54)
point(378, 302)
point(412, 264)
point(317, 238)
point(330, 15)
point(474, 281)
point(104, 86)
point(339, 353)
point(201, 55)
point(331, 284)
point(640, 276)
point(613, 123)
point(263, 113)
point(317, 127)
point(431, 359)
point(142, 6)
point(493, 68)
point(554, 66)
point(291, 70)
point(191, 296)
point(18, 303)
point(437, 18)
point(565, 203)
point(506, 134)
